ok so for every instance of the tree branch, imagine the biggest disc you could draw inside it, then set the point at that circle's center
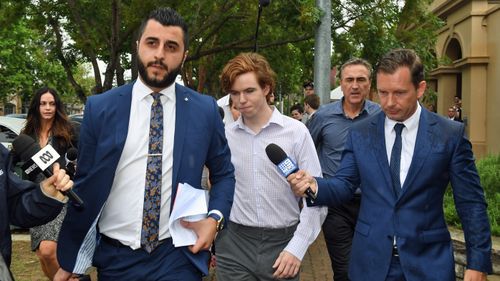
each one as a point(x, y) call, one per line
point(114, 52)
point(239, 45)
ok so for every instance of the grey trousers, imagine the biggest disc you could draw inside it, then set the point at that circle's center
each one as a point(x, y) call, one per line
point(247, 253)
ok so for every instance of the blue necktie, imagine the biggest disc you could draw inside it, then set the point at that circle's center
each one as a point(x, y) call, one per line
point(152, 192)
point(395, 164)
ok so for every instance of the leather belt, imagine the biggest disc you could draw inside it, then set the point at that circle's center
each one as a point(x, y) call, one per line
point(115, 243)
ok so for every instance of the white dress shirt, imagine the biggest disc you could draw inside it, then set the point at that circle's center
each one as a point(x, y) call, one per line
point(263, 197)
point(408, 139)
point(121, 217)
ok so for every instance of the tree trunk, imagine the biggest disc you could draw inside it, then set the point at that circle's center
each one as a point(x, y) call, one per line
point(202, 77)
point(87, 46)
point(119, 74)
point(66, 65)
point(114, 53)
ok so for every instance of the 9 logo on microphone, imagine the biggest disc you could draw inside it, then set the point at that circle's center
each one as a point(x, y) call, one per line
point(287, 167)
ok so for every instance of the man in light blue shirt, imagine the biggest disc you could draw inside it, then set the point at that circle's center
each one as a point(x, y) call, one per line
point(329, 129)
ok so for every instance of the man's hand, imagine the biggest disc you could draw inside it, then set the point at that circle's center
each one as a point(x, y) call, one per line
point(300, 181)
point(474, 275)
point(205, 229)
point(286, 265)
point(63, 275)
point(58, 182)
point(213, 261)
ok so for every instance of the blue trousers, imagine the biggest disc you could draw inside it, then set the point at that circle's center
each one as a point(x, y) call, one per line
point(165, 263)
point(395, 271)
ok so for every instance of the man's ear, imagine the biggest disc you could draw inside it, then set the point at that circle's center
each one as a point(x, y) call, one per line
point(421, 89)
point(267, 90)
point(184, 59)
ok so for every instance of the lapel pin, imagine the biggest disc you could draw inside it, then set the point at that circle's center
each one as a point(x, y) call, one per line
point(186, 99)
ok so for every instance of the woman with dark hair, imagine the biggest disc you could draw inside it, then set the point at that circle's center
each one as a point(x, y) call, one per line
point(47, 123)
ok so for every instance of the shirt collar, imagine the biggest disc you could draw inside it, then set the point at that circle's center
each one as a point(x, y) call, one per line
point(411, 123)
point(339, 109)
point(141, 91)
point(276, 118)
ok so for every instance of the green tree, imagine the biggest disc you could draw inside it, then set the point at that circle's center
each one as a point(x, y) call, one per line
point(25, 65)
point(86, 32)
point(89, 31)
point(27, 60)
point(376, 27)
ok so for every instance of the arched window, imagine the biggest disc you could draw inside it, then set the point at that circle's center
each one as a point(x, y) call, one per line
point(454, 50)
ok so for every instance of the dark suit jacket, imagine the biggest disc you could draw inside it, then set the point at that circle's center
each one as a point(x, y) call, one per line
point(199, 140)
point(22, 203)
point(442, 154)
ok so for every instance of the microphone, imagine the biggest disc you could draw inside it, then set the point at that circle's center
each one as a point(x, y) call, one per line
point(39, 161)
point(71, 156)
point(285, 165)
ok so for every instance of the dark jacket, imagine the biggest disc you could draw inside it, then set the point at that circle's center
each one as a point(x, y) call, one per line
point(22, 203)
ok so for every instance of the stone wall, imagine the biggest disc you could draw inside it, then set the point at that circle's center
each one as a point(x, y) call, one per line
point(460, 256)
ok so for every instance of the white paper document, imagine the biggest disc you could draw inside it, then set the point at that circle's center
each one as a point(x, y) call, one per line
point(190, 205)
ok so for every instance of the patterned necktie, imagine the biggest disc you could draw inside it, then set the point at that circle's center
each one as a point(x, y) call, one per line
point(152, 192)
point(396, 159)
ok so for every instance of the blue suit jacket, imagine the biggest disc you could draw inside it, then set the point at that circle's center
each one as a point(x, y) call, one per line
point(442, 154)
point(199, 140)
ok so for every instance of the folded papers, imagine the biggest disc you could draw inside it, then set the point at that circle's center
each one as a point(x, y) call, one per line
point(191, 204)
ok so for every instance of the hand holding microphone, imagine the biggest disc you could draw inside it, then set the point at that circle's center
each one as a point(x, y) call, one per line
point(58, 184)
point(300, 181)
point(39, 161)
point(303, 183)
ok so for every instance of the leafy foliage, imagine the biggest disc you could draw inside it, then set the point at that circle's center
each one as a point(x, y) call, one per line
point(72, 33)
point(25, 65)
point(429, 98)
point(489, 172)
point(375, 27)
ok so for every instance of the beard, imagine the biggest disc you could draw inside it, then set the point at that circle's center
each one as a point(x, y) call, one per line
point(155, 81)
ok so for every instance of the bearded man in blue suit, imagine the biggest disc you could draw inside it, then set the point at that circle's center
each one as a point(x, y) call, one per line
point(403, 159)
point(120, 135)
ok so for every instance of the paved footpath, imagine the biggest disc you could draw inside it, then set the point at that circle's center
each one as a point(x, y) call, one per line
point(316, 264)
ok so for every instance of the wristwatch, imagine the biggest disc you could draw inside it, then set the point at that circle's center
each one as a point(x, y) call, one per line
point(218, 217)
